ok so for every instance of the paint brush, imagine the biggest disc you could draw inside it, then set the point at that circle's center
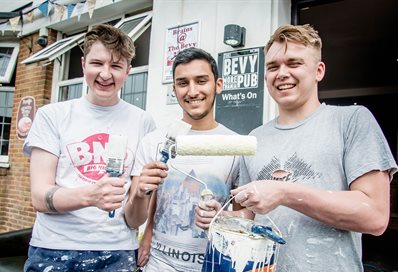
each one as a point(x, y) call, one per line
point(178, 127)
point(115, 153)
point(249, 226)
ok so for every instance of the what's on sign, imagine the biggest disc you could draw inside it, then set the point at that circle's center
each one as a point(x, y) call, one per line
point(240, 105)
point(240, 69)
point(242, 72)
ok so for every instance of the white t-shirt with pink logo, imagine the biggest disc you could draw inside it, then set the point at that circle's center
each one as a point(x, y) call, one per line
point(77, 132)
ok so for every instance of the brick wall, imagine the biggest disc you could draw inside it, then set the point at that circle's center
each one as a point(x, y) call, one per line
point(16, 211)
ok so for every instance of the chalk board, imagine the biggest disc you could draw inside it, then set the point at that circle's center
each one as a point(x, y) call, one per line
point(240, 104)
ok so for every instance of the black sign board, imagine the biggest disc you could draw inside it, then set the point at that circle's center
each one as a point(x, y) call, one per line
point(240, 104)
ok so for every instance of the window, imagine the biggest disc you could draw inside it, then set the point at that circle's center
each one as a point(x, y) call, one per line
point(134, 26)
point(135, 88)
point(70, 89)
point(6, 100)
point(56, 49)
point(8, 59)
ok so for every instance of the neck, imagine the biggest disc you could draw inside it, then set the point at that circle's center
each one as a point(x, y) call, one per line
point(202, 124)
point(292, 116)
point(101, 101)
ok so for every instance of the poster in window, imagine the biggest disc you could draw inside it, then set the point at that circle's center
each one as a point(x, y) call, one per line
point(178, 38)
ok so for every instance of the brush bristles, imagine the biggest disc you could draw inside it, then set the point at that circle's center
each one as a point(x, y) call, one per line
point(178, 127)
point(216, 145)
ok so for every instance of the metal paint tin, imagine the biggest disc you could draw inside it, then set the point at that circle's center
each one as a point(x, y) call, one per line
point(232, 248)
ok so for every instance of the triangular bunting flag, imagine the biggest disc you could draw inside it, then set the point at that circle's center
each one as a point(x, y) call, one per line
point(29, 16)
point(3, 28)
point(44, 8)
point(59, 12)
point(70, 8)
point(90, 7)
point(14, 22)
point(79, 10)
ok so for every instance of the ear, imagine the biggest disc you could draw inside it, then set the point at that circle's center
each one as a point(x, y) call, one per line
point(83, 63)
point(320, 71)
point(219, 85)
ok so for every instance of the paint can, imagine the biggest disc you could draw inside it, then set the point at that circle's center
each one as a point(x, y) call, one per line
point(233, 248)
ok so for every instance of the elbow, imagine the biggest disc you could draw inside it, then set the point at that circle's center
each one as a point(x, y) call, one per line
point(379, 226)
point(38, 205)
point(134, 224)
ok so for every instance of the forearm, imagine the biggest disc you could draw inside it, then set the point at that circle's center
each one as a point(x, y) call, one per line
point(136, 212)
point(243, 213)
point(350, 210)
point(136, 209)
point(52, 198)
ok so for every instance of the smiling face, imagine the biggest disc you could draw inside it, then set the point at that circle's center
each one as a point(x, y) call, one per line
point(292, 75)
point(195, 88)
point(104, 75)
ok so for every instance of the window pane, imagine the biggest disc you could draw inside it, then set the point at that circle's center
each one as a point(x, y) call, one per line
point(127, 26)
point(69, 92)
point(138, 100)
point(134, 89)
point(6, 98)
point(5, 56)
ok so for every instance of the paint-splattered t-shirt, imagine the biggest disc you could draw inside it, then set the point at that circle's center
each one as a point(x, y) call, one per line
point(328, 150)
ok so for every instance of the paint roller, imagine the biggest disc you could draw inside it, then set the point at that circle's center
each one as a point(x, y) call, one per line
point(212, 145)
point(215, 145)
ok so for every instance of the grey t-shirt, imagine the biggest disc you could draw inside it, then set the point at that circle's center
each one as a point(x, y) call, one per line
point(327, 150)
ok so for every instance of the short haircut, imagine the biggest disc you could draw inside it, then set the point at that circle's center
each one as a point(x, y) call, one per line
point(190, 54)
point(303, 34)
point(114, 39)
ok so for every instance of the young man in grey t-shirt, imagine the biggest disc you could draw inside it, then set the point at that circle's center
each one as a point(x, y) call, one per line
point(321, 173)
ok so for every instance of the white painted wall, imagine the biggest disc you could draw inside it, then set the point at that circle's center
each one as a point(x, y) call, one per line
point(259, 17)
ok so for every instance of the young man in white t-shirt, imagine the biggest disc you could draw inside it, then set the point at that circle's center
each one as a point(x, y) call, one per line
point(71, 191)
point(172, 241)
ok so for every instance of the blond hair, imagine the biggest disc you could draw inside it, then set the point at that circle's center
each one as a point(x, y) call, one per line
point(303, 34)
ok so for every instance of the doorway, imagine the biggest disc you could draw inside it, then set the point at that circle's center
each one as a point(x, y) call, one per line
point(361, 57)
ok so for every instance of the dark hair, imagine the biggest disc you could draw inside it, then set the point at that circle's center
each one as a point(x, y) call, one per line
point(190, 54)
point(114, 39)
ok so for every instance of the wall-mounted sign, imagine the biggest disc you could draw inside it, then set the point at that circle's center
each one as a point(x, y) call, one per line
point(171, 97)
point(177, 39)
point(240, 104)
point(25, 116)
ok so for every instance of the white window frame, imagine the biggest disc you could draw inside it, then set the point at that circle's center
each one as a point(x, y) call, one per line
point(69, 82)
point(56, 49)
point(6, 78)
point(4, 159)
point(141, 27)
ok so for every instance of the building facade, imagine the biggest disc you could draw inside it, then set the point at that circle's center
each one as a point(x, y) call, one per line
point(44, 58)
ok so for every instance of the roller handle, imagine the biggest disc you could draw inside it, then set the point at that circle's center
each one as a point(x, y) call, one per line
point(165, 157)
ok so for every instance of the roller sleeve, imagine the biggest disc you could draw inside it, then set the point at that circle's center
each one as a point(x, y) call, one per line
point(216, 145)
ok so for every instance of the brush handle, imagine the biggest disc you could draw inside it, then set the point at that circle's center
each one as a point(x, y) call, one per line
point(113, 174)
point(267, 232)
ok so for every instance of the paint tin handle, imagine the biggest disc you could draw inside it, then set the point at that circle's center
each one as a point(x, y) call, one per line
point(274, 226)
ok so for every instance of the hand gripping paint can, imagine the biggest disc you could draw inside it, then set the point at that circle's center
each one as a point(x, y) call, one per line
point(233, 247)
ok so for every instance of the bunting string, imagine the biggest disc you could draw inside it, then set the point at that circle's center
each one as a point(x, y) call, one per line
point(50, 8)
